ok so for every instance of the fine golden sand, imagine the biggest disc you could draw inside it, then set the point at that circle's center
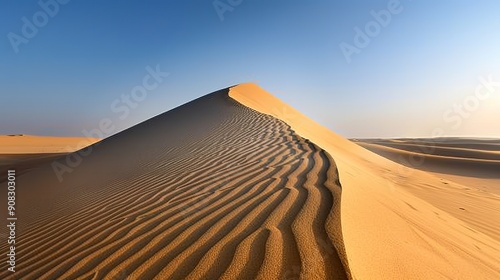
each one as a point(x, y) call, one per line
point(238, 185)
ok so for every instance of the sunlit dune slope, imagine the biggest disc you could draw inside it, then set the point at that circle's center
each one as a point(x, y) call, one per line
point(392, 228)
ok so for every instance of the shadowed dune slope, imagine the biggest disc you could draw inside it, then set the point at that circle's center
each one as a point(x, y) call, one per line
point(209, 190)
point(23, 162)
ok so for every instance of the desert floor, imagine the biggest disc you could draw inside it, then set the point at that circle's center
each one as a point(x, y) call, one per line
point(469, 169)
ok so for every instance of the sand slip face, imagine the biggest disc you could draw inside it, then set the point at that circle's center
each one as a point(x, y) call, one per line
point(209, 190)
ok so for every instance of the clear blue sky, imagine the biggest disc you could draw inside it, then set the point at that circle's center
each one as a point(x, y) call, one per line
point(403, 83)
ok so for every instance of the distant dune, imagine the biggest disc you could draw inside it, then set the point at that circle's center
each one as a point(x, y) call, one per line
point(25, 152)
point(29, 144)
point(459, 156)
point(238, 185)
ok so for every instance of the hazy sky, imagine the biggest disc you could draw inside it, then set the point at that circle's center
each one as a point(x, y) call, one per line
point(368, 68)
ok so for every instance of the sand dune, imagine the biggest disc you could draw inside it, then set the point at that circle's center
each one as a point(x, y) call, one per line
point(238, 185)
point(25, 152)
point(469, 157)
point(227, 192)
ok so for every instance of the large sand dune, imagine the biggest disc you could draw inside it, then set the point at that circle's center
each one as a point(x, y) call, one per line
point(211, 189)
point(238, 185)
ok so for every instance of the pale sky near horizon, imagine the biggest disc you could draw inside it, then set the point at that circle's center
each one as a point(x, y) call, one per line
point(378, 68)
